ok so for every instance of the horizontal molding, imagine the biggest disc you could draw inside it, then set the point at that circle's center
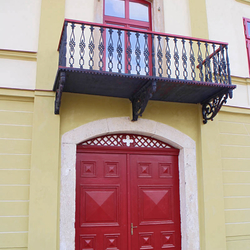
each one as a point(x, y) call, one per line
point(238, 238)
point(233, 109)
point(18, 55)
point(244, 1)
point(240, 80)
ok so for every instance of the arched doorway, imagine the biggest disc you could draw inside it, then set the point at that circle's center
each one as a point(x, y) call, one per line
point(186, 163)
point(127, 194)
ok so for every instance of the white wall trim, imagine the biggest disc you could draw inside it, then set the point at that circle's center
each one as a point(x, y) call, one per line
point(165, 133)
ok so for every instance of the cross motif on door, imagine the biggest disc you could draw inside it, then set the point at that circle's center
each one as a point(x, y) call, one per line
point(128, 141)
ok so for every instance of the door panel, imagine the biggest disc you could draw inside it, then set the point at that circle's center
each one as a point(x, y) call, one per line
point(117, 191)
point(101, 210)
point(155, 202)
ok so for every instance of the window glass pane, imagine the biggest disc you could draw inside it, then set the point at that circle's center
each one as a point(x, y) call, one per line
point(115, 8)
point(138, 11)
point(248, 28)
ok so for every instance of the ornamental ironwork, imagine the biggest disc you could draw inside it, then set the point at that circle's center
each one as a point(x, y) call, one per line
point(126, 140)
point(153, 57)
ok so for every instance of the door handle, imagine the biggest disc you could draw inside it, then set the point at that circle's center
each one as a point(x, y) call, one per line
point(132, 228)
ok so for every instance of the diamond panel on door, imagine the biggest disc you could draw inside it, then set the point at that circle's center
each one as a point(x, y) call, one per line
point(155, 205)
point(155, 211)
point(99, 206)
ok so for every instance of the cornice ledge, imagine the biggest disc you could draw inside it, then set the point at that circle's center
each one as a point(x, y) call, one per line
point(244, 1)
point(18, 55)
point(240, 80)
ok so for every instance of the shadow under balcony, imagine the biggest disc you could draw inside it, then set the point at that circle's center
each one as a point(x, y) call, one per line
point(105, 60)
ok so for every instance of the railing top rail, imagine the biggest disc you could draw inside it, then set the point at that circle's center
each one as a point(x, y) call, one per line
point(138, 30)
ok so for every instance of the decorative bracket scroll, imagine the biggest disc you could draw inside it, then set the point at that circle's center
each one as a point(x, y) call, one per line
point(211, 107)
point(62, 78)
point(141, 98)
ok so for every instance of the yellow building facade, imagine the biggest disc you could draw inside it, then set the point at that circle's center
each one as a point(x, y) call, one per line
point(38, 148)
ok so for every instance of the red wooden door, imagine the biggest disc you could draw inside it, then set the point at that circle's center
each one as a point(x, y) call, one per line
point(117, 189)
point(154, 202)
point(101, 207)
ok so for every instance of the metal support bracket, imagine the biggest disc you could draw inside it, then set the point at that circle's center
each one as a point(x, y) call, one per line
point(211, 107)
point(62, 78)
point(140, 99)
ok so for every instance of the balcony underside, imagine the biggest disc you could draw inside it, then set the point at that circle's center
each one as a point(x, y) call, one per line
point(94, 82)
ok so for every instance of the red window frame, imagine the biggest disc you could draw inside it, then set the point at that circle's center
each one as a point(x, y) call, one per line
point(130, 23)
point(247, 36)
point(126, 22)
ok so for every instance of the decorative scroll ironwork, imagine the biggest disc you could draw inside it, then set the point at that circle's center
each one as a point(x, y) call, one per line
point(129, 52)
point(200, 61)
point(184, 59)
point(110, 50)
point(159, 56)
point(208, 74)
point(63, 47)
point(62, 79)
point(72, 45)
point(146, 54)
point(153, 55)
point(215, 64)
point(101, 49)
point(141, 98)
point(223, 65)
point(176, 59)
point(119, 51)
point(228, 73)
point(137, 53)
point(168, 57)
point(211, 57)
point(192, 61)
point(211, 108)
point(82, 46)
point(91, 48)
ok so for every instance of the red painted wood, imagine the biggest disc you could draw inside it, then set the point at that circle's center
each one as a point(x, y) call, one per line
point(155, 202)
point(118, 186)
point(247, 35)
point(101, 201)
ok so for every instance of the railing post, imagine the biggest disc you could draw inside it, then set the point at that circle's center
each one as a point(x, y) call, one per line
point(228, 72)
point(63, 46)
point(153, 56)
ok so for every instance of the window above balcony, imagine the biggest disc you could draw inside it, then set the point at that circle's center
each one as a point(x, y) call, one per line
point(116, 61)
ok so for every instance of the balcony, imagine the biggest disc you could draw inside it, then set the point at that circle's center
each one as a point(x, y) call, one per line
point(107, 60)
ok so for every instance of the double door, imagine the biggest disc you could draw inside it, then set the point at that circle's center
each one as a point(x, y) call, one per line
point(127, 201)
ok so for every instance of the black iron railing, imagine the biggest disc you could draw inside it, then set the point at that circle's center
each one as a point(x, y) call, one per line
point(109, 48)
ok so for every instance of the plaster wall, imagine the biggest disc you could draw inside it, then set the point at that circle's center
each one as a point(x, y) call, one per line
point(17, 74)
point(176, 19)
point(15, 152)
point(19, 24)
point(241, 95)
point(234, 134)
point(80, 10)
point(225, 23)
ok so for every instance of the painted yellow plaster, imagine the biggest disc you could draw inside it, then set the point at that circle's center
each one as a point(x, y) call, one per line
point(44, 180)
point(18, 55)
point(198, 16)
point(14, 193)
point(215, 236)
point(51, 22)
point(244, 1)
